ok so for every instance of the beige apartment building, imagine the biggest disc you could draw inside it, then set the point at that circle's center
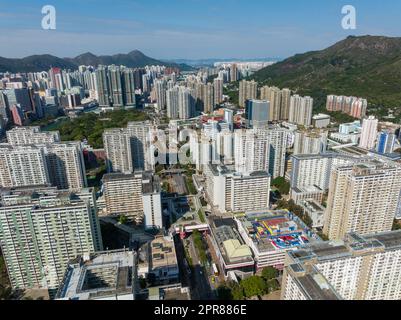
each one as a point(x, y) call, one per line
point(363, 198)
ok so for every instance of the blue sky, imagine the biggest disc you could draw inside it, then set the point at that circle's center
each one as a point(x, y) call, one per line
point(167, 29)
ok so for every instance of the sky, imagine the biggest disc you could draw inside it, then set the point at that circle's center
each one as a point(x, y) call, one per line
point(189, 29)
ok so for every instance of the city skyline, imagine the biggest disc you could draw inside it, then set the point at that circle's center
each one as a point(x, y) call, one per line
point(188, 30)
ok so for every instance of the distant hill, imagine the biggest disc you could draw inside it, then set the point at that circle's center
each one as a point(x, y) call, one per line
point(36, 63)
point(366, 66)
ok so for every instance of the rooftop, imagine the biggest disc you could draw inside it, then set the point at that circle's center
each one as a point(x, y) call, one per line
point(313, 284)
point(275, 230)
point(104, 275)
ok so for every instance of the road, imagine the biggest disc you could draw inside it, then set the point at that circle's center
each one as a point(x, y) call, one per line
point(200, 283)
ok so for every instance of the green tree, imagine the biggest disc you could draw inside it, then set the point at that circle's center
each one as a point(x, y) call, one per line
point(237, 292)
point(396, 225)
point(122, 219)
point(272, 285)
point(254, 286)
point(224, 293)
point(269, 273)
point(282, 185)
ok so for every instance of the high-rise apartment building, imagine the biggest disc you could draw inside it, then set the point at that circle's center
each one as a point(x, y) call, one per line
point(123, 194)
point(160, 90)
point(385, 142)
point(116, 86)
point(310, 142)
point(251, 151)
point(127, 149)
point(248, 90)
point(134, 195)
point(369, 133)
point(130, 83)
point(103, 87)
point(363, 198)
point(139, 133)
point(362, 267)
point(230, 191)
point(285, 104)
point(172, 102)
point(234, 73)
point(273, 95)
point(208, 97)
point(4, 107)
point(23, 166)
point(218, 91)
point(315, 170)
point(353, 106)
point(301, 110)
point(31, 135)
point(257, 113)
point(41, 231)
point(66, 165)
point(278, 141)
point(117, 145)
point(186, 103)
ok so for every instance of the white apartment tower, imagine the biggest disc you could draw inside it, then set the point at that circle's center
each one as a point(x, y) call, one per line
point(172, 103)
point(301, 109)
point(66, 165)
point(23, 166)
point(310, 142)
point(31, 135)
point(369, 133)
point(117, 145)
point(251, 151)
point(127, 149)
point(230, 191)
point(358, 268)
point(134, 195)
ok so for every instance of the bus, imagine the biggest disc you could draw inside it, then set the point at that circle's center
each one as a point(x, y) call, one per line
point(215, 270)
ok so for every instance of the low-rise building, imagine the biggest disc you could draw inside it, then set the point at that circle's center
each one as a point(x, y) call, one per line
point(321, 121)
point(307, 193)
point(230, 248)
point(315, 211)
point(102, 276)
point(271, 234)
point(158, 262)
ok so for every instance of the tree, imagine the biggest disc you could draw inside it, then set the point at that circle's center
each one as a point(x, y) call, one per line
point(272, 285)
point(254, 286)
point(269, 273)
point(224, 293)
point(282, 185)
point(122, 219)
point(237, 292)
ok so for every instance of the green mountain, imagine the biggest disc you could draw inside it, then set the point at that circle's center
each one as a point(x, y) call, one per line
point(36, 63)
point(366, 66)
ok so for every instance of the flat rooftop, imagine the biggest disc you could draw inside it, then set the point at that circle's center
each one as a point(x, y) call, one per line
point(103, 275)
point(303, 265)
point(274, 230)
point(225, 229)
point(317, 287)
